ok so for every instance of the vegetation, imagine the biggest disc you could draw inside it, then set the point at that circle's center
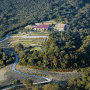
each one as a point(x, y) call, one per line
point(24, 41)
point(16, 82)
point(82, 83)
point(15, 14)
point(51, 87)
point(63, 50)
point(36, 48)
point(28, 83)
point(40, 33)
point(5, 59)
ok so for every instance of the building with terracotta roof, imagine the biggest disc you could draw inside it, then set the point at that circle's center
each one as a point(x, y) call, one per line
point(41, 27)
point(61, 27)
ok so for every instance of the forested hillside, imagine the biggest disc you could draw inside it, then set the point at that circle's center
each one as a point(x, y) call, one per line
point(17, 13)
point(63, 50)
point(5, 58)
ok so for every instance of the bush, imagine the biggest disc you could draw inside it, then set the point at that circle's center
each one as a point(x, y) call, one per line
point(28, 83)
point(16, 82)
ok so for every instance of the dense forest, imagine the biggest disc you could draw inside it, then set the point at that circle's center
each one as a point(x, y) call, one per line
point(63, 50)
point(69, 49)
point(82, 83)
point(15, 14)
point(5, 58)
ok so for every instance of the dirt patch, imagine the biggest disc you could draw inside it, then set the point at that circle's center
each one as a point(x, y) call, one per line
point(2, 75)
point(60, 76)
point(7, 76)
point(3, 72)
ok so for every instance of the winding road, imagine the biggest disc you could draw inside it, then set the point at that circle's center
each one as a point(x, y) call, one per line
point(14, 69)
point(47, 80)
point(14, 74)
point(4, 39)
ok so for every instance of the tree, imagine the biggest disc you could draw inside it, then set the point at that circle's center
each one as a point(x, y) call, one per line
point(16, 82)
point(66, 20)
point(19, 47)
point(51, 87)
point(66, 57)
point(63, 65)
point(1, 62)
point(55, 62)
point(28, 83)
point(35, 88)
point(81, 83)
point(45, 60)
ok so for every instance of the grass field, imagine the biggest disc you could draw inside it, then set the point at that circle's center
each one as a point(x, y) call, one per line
point(27, 41)
point(18, 38)
point(33, 34)
point(36, 48)
point(12, 41)
point(39, 33)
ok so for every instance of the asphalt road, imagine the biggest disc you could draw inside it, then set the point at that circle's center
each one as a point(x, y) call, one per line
point(44, 79)
point(12, 73)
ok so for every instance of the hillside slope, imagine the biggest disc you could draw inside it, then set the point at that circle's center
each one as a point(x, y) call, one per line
point(17, 13)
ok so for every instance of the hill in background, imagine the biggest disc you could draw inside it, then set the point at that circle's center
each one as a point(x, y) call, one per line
point(15, 14)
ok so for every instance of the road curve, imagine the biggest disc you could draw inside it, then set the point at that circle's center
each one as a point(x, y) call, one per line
point(14, 69)
point(47, 80)
point(4, 39)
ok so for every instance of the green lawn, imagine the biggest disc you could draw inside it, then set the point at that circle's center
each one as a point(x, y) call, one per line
point(40, 33)
point(33, 34)
point(16, 34)
point(27, 41)
point(36, 48)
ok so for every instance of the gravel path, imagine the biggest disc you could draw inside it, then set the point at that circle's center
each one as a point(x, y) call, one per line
point(25, 36)
point(8, 76)
point(9, 73)
point(60, 76)
point(2, 75)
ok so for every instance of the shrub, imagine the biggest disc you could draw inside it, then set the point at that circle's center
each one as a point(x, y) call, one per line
point(16, 82)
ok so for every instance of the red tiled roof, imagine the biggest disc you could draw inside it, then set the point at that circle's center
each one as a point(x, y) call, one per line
point(42, 26)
